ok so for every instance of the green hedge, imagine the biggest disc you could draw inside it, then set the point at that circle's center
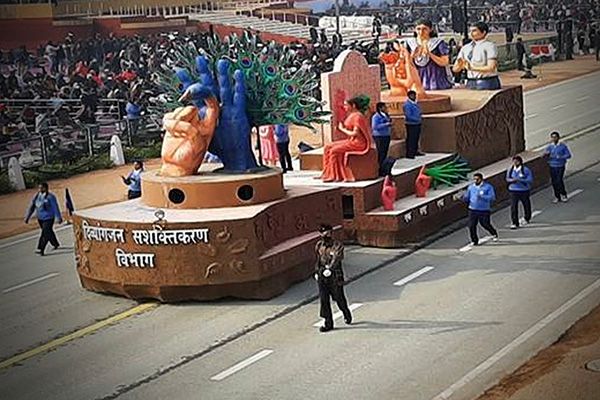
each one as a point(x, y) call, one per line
point(48, 172)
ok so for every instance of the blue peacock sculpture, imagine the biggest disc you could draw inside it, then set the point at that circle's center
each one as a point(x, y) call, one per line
point(256, 84)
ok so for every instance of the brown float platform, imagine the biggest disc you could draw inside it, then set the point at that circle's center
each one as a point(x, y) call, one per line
point(211, 189)
point(484, 126)
point(251, 252)
point(360, 197)
point(434, 103)
point(415, 218)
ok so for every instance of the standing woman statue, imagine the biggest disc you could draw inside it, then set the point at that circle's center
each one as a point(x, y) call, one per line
point(430, 55)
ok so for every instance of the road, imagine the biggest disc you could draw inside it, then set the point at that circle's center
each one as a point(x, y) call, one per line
point(456, 310)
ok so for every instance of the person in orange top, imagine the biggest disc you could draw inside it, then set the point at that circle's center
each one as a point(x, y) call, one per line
point(356, 127)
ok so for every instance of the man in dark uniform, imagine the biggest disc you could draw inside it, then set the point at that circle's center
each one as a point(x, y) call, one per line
point(330, 277)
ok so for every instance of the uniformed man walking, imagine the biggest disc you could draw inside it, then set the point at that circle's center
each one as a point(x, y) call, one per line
point(330, 277)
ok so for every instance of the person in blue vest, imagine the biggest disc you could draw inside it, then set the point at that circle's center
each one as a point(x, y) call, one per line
point(381, 127)
point(479, 197)
point(134, 113)
point(134, 181)
point(46, 209)
point(412, 120)
point(557, 153)
point(519, 179)
point(282, 140)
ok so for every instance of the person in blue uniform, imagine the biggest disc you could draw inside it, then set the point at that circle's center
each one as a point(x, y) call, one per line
point(519, 179)
point(45, 207)
point(134, 181)
point(479, 197)
point(557, 153)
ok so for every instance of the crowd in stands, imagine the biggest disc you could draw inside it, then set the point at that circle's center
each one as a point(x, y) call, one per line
point(531, 15)
point(73, 76)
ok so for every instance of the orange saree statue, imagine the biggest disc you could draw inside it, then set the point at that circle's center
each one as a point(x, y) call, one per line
point(335, 156)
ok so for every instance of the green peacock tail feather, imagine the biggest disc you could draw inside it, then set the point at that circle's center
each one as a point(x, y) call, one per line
point(449, 173)
point(277, 91)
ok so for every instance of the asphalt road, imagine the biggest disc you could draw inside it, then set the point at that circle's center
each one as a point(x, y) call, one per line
point(411, 341)
point(567, 107)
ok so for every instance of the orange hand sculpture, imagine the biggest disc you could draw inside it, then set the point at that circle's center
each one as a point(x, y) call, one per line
point(401, 73)
point(187, 138)
point(388, 193)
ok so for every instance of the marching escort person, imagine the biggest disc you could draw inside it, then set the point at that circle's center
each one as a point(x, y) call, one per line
point(519, 179)
point(330, 277)
point(479, 197)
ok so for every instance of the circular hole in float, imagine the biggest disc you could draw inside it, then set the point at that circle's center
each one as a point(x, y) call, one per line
point(245, 193)
point(176, 196)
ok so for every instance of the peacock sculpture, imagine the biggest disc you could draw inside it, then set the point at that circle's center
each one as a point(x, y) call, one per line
point(449, 173)
point(253, 83)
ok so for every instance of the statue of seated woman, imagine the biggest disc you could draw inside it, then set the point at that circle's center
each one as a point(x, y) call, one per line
point(401, 73)
point(358, 142)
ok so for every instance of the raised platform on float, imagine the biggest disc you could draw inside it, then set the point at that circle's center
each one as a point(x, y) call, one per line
point(211, 189)
point(484, 126)
point(361, 197)
point(415, 218)
point(251, 252)
point(435, 102)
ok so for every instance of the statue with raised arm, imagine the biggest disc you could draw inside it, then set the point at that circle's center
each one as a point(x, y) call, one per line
point(400, 72)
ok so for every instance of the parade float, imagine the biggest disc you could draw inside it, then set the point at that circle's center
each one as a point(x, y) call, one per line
point(242, 230)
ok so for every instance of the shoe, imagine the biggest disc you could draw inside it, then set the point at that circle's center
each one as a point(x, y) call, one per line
point(56, 247)
point(348, 319)
point(474, 243)
point(495, 238)
point(40, 252)
point(419, 154)
point(555, 201)
point(514, 226)
point(410, 157)
point(325, 328)
point(525, 222)
point(565, 199)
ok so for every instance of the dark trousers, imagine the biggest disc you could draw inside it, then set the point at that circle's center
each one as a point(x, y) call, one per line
point(131, 194)
point(382, 143)
point(557, 175)
point(483, 218)
point(413, 134)
point(47, 234)
point(515, 198)
point(328, 290)
point(285, 158)
point(520, 65)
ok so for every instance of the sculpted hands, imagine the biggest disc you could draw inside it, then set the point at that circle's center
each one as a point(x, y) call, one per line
point(231, 139)
point(216, 122)
point(187, 138)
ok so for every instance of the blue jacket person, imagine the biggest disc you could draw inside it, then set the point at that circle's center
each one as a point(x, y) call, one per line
point(45, 206)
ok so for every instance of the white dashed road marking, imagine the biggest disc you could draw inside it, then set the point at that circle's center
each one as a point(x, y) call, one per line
point(339, 314)
point(241, 365)
point(413, 276)
point(29, 283)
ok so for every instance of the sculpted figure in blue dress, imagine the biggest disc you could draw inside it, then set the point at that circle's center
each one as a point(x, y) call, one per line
point(430, 56)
